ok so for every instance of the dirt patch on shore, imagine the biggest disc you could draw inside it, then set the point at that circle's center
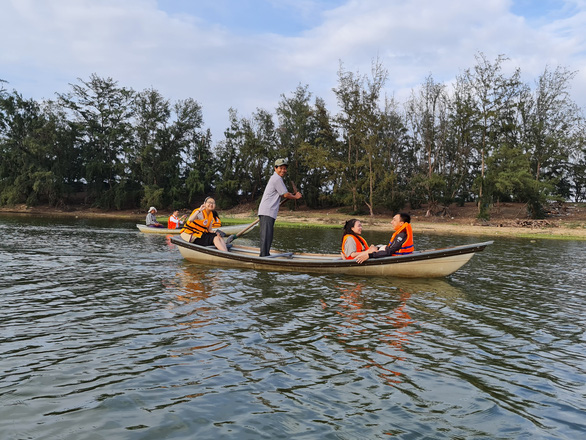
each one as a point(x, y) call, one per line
point(566, 220)
point(507, 219)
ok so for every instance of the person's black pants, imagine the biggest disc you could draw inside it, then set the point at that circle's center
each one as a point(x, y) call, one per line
point(267, 226)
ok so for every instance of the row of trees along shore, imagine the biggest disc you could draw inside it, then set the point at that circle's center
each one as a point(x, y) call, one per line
point(487, 137)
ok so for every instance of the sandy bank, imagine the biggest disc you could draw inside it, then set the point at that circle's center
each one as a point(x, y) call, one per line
point(570, 224)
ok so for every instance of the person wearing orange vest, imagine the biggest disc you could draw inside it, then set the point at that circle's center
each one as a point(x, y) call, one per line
point(352, 241)
point(199, 225)
point(174, 222)
point(401, 243)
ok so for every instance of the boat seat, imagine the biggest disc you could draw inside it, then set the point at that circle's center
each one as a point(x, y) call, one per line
point(228, 246)
point(284, 254)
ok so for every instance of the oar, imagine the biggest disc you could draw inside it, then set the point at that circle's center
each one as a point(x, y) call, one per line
point(233, 237)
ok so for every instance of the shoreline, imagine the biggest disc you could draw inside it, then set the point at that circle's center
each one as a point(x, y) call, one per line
point(555, 228)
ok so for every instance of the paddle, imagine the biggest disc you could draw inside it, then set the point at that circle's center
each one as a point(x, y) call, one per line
point(233, 237)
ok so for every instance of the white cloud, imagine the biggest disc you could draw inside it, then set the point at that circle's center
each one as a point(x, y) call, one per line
point(52, 43)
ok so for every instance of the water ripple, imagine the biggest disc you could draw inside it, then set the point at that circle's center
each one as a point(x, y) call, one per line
point(110, 334)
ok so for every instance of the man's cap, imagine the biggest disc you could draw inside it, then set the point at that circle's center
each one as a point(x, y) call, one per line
point(152, 208)
point(281, 162)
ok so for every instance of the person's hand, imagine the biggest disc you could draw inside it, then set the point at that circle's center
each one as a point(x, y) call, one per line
point(297, 195)
point(361, 257)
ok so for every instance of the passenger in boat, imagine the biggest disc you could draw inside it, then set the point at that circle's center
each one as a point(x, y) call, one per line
point(174, 221)
point(401, 242)
point(199, 225)
point(151, 218)
point(269, 205)
point(352, 241)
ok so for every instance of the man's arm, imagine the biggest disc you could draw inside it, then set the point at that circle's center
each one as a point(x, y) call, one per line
point(290, 196)
point(393, 247)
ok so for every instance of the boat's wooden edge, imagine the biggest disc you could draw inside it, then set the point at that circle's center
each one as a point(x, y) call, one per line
point(329, 260)
point(148, 230)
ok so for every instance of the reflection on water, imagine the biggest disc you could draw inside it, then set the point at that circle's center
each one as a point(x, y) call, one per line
point(376, 340)
point(109, 333)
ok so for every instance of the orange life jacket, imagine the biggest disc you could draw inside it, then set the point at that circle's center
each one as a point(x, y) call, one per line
point(172, 222)
point(361, 245)
point(197, 227)
point(408, 246)
point(216, 223)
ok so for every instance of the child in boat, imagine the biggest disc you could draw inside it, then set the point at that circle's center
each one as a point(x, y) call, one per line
point(174, 221)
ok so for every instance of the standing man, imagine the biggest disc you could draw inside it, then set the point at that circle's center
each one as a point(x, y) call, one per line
point(269, 205)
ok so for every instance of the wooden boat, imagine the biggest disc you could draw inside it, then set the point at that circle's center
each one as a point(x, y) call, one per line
point(227, 229)
point(431, 263)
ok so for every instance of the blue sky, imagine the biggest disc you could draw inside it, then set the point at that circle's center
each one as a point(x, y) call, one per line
point(245, 54)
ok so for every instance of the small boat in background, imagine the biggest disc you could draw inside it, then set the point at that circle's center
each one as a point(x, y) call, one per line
point(431, 263)
point(232, 229)
point(151, 230)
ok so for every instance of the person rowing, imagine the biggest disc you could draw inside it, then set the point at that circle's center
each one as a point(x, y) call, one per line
point(199, 225)
point(269, 205)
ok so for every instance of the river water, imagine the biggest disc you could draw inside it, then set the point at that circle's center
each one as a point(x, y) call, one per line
point(107, 333)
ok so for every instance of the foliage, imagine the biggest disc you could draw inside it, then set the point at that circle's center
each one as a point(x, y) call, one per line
point(487, 137)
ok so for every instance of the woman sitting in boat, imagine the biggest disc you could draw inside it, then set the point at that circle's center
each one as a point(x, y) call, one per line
point(401, 243)
point(151, 218)
point(199, 225)
point(352, 241)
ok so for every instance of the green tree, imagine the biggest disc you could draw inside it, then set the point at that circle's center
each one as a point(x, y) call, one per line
point(232, 167)
point(200, 168)
point(297, 133)
point(27, 155)
point(361, 122)
point(317, 158)
point(552, 128)
point(427, 114)
point(494, 96)
point(102, 114)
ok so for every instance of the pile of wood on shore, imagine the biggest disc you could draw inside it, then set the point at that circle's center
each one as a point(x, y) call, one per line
point(528, 223)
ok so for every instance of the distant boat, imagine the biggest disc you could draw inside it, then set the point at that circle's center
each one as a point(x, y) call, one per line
point(232, 229)
point(431, 263)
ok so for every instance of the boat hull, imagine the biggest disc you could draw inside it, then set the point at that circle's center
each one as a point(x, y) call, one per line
point(426, 264)
point(149, 230)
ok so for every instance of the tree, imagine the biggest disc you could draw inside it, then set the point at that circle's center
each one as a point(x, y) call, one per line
point(552, 128)
point(361, 121)
point(102, 114)
point(427, 114)
point(494, 96)
point(317, 157)
point(296, 130)
point(27, 141)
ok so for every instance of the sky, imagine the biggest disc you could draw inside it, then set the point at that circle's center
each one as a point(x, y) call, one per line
point(247, 54)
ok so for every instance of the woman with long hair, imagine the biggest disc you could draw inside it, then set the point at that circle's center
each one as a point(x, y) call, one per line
point(198, 227)
point(352, 241)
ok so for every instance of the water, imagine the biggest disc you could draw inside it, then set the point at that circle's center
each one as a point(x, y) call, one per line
point(107, 333)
